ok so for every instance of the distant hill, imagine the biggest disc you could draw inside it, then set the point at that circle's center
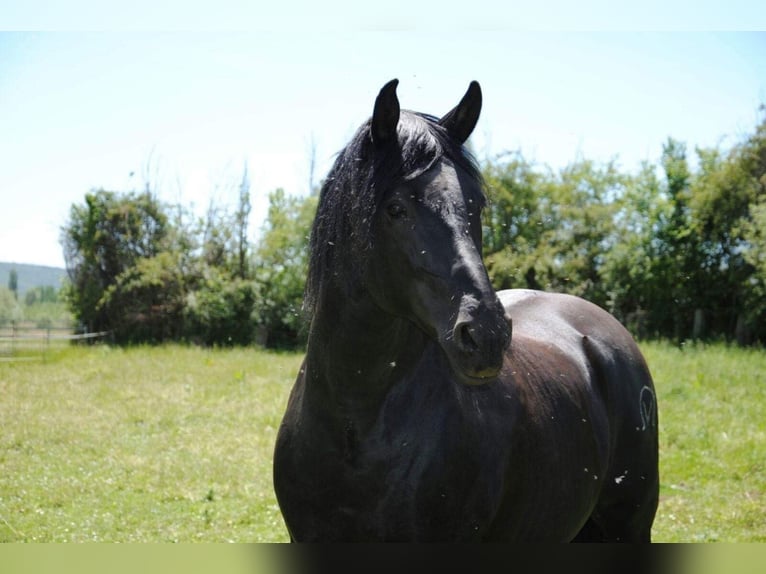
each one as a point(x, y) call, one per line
point(31, 276)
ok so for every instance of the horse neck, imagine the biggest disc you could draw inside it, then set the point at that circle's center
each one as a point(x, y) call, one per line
point(356, 353)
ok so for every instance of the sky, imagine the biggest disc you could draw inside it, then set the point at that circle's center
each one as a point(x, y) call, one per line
point(187, 109)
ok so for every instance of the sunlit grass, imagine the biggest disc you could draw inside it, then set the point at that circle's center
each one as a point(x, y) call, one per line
point(712, 402)
point(175, 444)
point(148, 444)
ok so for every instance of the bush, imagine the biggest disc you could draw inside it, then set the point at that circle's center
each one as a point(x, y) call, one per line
point(219, 311)
point(145, 304)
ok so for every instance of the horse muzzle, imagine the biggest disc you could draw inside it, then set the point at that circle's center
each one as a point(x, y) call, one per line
point(478, 340)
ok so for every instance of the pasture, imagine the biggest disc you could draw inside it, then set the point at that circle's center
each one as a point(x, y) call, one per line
point(175, 443)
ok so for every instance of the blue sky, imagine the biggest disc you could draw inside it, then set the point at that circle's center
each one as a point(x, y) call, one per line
point(85, 110)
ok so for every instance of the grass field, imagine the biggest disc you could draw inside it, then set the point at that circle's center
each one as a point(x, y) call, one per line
point(175, 444)
point(147, 444)
point(712, 412)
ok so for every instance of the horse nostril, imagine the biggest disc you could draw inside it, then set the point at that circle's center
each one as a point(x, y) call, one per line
point(464, 337)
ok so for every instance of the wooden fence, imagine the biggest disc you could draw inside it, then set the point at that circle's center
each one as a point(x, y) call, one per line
point(29, 343)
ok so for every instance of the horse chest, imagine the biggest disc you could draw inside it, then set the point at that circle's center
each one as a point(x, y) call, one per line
point(411, 491)
point(422, 479)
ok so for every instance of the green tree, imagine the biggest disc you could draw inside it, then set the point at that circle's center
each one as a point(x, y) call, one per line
point(629, 271)
point(10, 310)
point(545, 230)
point(145, 303)
point(217, 237)
point(219, 310)
point(42, 294)
point(583, 207)
point(677, 264)
point(281, 264)
point(514, 221)
point(673, 252)
point(752, 325)
point(104, 238)
point(728, 204)
point(13, 283)
point(241, 221)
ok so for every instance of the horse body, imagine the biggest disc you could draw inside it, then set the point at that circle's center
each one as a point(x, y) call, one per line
point(526, 457)
point(429, 407)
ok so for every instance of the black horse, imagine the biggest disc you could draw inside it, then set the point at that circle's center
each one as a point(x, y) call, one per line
point(416, 416)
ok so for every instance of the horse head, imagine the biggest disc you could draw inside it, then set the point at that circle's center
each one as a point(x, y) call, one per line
point(427, 235)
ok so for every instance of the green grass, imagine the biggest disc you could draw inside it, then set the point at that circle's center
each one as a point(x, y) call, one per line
point(148, 444)
point(712, 412)
point(175, 444)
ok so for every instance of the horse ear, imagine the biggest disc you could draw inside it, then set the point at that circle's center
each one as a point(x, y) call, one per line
point(461, 120)
point(385, 118)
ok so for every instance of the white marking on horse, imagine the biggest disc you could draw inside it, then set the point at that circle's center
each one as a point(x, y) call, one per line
point(646, 406)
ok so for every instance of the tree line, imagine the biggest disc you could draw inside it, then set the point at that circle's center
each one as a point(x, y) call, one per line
point(675, 250)
point(151, 272)
point(40, 306)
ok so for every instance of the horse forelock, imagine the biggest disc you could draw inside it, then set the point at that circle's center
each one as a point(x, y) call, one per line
point(342, 234)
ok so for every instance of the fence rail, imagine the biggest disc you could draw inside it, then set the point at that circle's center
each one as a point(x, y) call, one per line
point(21, 343)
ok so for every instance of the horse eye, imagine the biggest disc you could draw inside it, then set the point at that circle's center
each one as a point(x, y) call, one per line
point(396, 210)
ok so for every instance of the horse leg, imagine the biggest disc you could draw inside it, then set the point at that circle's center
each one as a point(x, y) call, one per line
point(628, 499)
point(623, 514)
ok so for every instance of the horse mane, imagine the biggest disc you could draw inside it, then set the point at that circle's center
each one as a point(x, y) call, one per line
point(360, 178)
